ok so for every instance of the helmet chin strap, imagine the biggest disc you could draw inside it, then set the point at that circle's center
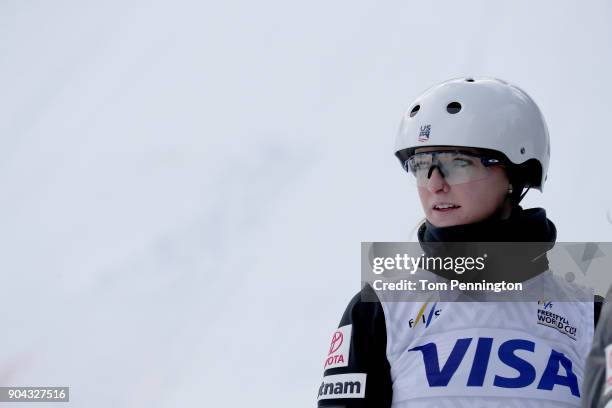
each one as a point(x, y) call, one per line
point(512, 194)
point(524, 194)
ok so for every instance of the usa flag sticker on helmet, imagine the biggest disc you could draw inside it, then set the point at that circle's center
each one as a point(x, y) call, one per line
point(424, 133)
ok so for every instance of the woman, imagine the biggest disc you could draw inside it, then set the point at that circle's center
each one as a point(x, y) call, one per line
point(475, 146)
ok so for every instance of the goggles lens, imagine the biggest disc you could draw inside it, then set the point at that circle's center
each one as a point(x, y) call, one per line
point(455, 167)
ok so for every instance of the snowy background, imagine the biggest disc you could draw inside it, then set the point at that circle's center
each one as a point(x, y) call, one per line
point(185, 185)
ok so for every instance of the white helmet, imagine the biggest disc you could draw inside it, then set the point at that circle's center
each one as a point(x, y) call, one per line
point(484, 113)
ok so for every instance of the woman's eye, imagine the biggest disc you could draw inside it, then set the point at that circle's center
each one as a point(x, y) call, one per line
point(462, 162)
point(420, 165)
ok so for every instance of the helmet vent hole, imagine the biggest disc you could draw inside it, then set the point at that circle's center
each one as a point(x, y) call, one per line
point(453, 107)
point(522, 150)
point(469, 80)
point(415, 110)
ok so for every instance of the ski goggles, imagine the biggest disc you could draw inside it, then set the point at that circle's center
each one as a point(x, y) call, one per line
point(456, 167)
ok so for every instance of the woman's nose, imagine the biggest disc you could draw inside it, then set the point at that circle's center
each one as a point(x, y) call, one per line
point(436, 181)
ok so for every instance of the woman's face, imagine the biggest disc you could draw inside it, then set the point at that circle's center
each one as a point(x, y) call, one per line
point(472, 201)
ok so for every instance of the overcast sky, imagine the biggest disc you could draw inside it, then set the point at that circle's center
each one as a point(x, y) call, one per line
point(185, 185)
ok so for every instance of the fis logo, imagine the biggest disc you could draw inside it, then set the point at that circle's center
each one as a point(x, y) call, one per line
point(555, 320)
point(424, 133)
point(425, 315)
point(546, 303)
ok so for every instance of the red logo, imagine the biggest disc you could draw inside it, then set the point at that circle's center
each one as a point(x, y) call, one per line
point(336, 342)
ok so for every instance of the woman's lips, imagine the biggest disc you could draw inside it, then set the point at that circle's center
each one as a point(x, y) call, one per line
point(445, 207)
point(445, 210)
